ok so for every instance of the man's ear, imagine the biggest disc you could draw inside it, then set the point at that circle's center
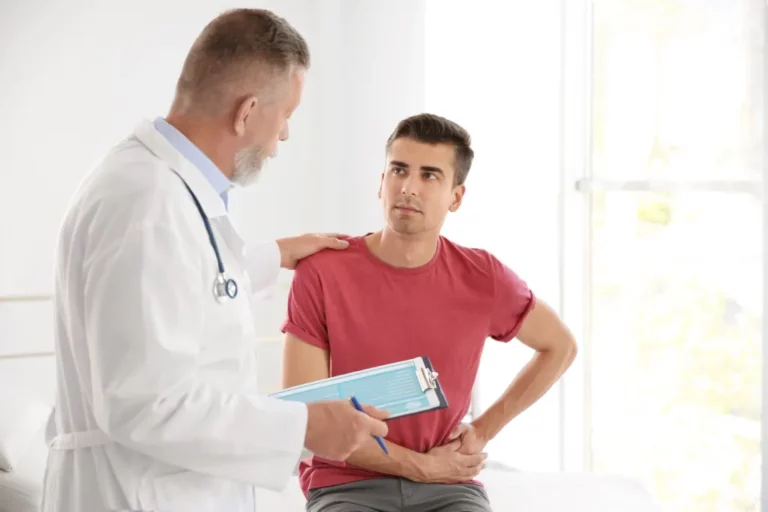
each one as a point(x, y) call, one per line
point(381, 184)
point(243, 113)
point(458, 196)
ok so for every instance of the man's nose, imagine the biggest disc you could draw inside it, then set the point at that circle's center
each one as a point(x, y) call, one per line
point(284, 133)
point(410, 186)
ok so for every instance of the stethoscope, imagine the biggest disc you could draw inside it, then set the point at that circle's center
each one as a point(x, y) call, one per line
point(223, 287)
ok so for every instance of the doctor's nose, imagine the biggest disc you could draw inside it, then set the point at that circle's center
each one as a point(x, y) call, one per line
point(284, 133)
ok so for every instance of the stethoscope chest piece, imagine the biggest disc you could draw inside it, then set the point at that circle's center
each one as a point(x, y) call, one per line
point(224, 288)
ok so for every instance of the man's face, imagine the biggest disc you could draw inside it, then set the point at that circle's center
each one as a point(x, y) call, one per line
point(266, 126)
point(417, 188)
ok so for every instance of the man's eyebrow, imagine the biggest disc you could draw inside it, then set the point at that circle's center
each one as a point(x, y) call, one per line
point(428, 168)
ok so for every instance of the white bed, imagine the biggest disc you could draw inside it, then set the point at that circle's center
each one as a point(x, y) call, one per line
point(18, 494)
point(27, 376)
point(20, 488)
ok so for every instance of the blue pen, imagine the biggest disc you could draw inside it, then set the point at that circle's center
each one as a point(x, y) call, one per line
point(378, 439)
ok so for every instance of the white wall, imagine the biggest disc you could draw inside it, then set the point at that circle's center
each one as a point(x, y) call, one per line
point(77, 76)
point(495, 68)
point(75, 80)
point(362, 82)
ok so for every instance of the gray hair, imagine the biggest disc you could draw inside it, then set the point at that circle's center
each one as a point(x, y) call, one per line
point(240, 52)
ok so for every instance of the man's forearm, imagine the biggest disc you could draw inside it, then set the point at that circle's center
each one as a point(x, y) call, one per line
point(401, 461)
point(529, 385)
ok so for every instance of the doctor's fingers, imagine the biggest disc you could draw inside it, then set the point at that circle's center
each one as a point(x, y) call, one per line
point(369, 426)
point(375, 413)
point(340, 236)
point(332, 242)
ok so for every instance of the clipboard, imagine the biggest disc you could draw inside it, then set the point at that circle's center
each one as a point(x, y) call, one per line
point(402, 389)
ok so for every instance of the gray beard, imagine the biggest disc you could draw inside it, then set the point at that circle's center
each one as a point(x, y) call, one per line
point(248, 165)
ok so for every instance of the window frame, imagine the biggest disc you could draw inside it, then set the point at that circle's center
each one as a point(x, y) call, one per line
point(763, 423)
point(575, 233)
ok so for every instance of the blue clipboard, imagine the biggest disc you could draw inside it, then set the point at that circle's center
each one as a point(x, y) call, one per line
point(402, 388)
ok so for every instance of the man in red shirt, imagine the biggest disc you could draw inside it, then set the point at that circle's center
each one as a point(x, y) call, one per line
point(406, 292)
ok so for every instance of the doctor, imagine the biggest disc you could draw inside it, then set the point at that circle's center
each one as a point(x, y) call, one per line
point(157, 407)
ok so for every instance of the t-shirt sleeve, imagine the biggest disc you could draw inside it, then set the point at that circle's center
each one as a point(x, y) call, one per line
point(306, 307)
point(512, 301)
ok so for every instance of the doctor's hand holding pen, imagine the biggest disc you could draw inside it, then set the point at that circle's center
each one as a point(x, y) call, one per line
point(335, 429)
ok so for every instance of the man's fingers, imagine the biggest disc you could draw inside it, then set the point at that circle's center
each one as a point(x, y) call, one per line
point(460, 429)
point(453, 445)
point(373, 412)
point(475, 460)
point(473, 471)
point(474, 465)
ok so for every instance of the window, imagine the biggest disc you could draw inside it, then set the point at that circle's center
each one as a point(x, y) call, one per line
point(672, 243)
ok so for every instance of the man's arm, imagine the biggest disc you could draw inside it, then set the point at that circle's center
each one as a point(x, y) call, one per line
point(555, 347)
point(304, 363)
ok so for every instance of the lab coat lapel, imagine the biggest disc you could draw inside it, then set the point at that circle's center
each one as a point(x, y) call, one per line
point(212, 204)
point(231, 237)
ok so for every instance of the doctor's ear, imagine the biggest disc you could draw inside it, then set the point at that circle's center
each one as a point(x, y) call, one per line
point(244, 110)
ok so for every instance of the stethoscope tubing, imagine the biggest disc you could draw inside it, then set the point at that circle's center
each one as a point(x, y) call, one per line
point(223, 286)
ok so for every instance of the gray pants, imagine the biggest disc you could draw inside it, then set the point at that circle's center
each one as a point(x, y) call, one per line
point(398, 495)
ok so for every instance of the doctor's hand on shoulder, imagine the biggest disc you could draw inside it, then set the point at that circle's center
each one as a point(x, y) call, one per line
point(296, 248)
point(335, 429)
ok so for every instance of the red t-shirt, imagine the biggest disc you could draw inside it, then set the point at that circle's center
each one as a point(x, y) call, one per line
point(368, 313)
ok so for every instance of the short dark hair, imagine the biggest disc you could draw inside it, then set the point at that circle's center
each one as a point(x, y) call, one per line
point(433, 129)
point(238, 44)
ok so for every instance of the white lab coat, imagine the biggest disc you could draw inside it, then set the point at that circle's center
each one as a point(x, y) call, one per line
point(157, 407)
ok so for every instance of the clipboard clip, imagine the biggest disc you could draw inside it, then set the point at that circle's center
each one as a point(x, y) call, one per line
point(427, 378)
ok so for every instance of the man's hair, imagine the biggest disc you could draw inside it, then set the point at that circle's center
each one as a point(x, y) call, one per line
point(238, 46)
point(433, 129)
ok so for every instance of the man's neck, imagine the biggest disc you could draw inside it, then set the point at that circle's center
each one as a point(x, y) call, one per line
point(200, 134)
point(404, 251)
